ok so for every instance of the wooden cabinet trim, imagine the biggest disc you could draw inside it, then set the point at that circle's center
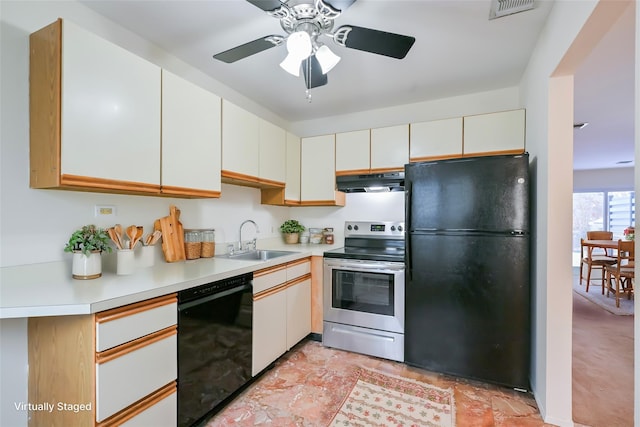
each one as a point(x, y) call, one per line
point(128, 310)
point(386, 170)
point(353, 172)
point(299, 261)
point(111, 185)
point(45, 109)
point(432, 158)
point(121, 350)
point(140, 406)
point(269, 292)
point(298, 280)
point(495, 153)
point(188, 192)
point(236, 178)
point(269, 270)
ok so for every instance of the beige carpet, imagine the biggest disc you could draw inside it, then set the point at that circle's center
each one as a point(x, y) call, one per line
point(608, 303)
point(378, 399)
point(602, 366)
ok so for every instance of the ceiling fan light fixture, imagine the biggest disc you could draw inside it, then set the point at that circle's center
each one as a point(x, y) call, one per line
point(291, 65)
point(326, 58)
point(299, 48)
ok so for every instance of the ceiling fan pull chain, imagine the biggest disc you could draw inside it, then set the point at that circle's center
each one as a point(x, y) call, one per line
point(308, 91)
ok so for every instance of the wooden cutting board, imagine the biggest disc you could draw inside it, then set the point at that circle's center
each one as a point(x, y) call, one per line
point(172, 235)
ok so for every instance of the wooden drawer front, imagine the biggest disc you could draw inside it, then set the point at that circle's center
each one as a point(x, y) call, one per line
point(298, 269)
point(124, 324)
point(268, 278)
point(134, 371)
point(163, 413)
point(157, 409)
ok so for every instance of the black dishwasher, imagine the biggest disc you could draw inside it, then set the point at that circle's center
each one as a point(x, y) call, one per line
point(214, 346)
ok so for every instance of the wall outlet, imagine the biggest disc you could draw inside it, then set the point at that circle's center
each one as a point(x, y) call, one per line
point(105, 211)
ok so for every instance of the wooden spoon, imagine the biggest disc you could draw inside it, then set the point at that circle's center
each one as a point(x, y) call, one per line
point(114, 237)
point(139, 232)
point(132, 231)
point(118, 229)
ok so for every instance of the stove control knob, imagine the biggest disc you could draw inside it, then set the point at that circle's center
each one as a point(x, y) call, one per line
point(355, 227)
point(393, 228)
point(399, 228)
point(349, 227)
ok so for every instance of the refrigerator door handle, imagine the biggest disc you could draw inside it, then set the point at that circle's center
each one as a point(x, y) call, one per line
point(407, 217)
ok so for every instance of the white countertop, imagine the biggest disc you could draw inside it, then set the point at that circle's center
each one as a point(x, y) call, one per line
point(48, 289)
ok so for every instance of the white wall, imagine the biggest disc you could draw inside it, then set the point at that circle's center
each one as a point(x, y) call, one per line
point(614, 179)
point(560, 49)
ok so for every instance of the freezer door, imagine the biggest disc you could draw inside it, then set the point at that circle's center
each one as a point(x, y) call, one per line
point(468, 307)
point(481, 193)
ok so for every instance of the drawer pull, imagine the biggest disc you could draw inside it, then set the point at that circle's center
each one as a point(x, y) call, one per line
point(128, 310)
point(121, 350)
point(139, 406)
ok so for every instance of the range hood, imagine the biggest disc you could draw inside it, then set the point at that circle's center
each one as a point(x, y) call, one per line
point(371, 183)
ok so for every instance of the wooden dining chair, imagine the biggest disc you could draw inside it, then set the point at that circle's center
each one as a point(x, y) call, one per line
point(620, 276)
point(595, 258)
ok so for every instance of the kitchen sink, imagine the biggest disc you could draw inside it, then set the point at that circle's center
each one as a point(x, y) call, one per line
point(258, 255)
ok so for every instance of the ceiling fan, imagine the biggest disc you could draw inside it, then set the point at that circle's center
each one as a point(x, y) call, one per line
point(305, 21)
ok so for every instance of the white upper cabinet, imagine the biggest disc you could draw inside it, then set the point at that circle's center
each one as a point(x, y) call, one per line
point(318, 181)
point(94, 114)
point(273, 149)
point(434, 140)
point(111, 110)
point(292, 188)
point(352, 152)
point(389, 148)
point(495, 133)
point(240, 141)
point(191, 150)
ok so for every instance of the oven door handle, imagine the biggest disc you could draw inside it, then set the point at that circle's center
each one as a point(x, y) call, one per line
point(212, 297)
point(368, 268)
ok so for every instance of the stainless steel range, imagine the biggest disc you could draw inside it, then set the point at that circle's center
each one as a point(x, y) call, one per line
point(364, 290)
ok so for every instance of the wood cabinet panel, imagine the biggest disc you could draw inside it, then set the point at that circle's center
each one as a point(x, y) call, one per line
point(495, 133)
point(353, 152)
point(435, 140)
point(144, 370)
point(191, 140)
point(269, 329)
point(240, 140)
point(94, 113)
point(389, 148)
point(273, 152)
point(298, 310)
point(317, 172)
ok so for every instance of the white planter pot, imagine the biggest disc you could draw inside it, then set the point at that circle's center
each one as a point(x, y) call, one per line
point(86, 267)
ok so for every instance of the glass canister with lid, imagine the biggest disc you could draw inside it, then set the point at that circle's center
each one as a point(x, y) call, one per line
point(208, 243)
point(192, 243)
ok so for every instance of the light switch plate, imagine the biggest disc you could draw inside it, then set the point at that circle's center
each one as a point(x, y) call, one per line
point(105, 211)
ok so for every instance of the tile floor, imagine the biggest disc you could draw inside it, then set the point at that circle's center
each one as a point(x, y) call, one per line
point(310, 382)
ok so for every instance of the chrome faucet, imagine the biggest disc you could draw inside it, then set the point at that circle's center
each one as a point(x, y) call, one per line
point(253, 242)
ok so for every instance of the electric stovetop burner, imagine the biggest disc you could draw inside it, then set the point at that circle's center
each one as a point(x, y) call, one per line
point(371, 240)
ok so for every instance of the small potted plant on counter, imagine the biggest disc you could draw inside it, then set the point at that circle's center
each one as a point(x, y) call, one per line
point(87, 245)
point(291, 230)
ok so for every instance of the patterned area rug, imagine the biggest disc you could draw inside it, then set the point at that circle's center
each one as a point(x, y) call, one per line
point(383, 400)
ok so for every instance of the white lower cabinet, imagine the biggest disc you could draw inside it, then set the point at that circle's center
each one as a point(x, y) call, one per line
point(269, 328)
point(120, 365)
point(281, 311)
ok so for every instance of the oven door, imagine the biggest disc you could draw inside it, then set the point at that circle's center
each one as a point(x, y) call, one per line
point(369, 294)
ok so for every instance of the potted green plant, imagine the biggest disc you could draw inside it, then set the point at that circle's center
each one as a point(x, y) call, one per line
point(87, 245)
point(291, 229)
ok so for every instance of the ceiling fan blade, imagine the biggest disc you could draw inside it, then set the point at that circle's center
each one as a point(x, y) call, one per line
point(374, 41)
point(266, 5)
point(248, 49)
point(340, 5)
point(313, 76)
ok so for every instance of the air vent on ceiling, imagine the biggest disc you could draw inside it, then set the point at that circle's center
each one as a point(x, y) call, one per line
point(500, 8)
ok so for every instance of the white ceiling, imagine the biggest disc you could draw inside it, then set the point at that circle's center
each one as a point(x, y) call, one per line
point(458, 50)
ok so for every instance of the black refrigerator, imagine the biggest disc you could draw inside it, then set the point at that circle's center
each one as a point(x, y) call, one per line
point(468, 310)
